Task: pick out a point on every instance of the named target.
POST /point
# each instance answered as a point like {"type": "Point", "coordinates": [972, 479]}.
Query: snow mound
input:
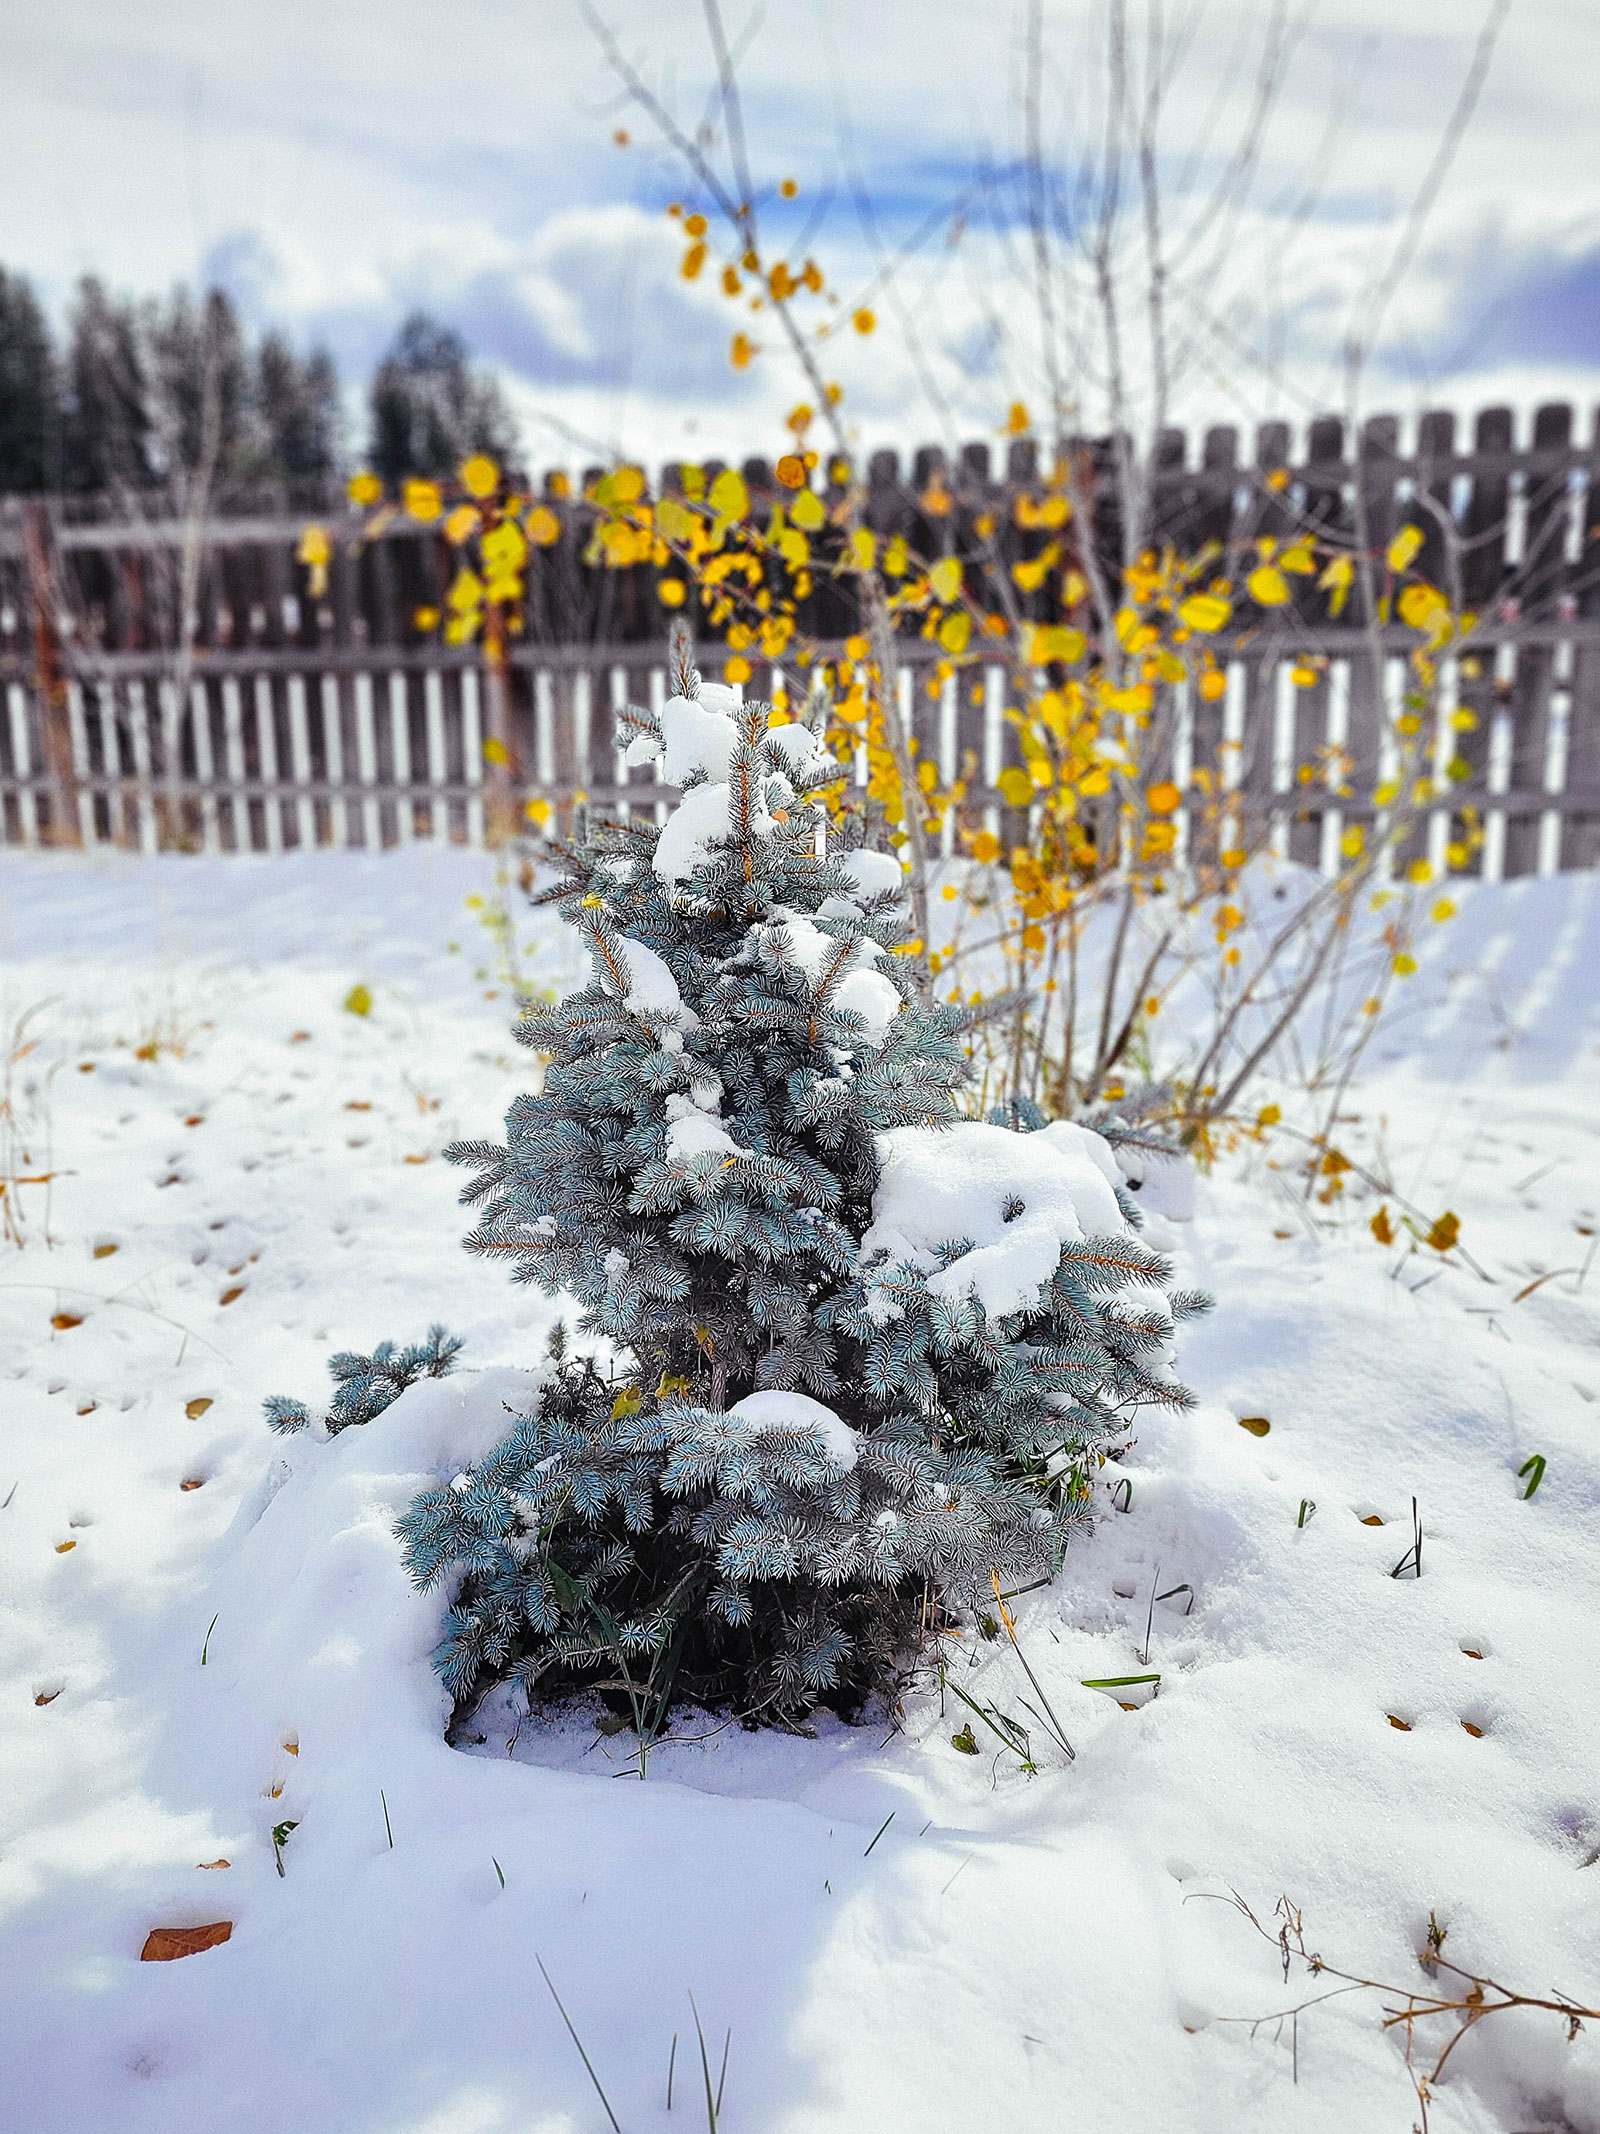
{"type": "Point", "coordinates": [1013, 1199]}
{"type": "Point", "coordinates": [651, 990]}
{"type": "Point", "coordinates": [701, 819]}
{"type": "Point", "coordinates": [861, 990]}
{"type": "Point", "coordinates": [700, 735]}
{"type": "Point", "coordinates": [320, 1628]}
{"type": "Point", "coordinates": [798, 1411]}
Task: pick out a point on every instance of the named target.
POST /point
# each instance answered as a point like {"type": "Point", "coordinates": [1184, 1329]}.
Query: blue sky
{"type": "Point", "coordinates": [338, 163]}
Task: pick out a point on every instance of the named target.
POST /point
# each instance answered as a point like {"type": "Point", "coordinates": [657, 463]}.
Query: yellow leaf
{"type": "Point", "coordinates": [857, 647]}
{"type": "Point", "coordinates": [505, 546]}
{"type": "Point", "coordinates": [1445, 1232]}
{"type": "Point", "coordinates": [955, 632]}
{"type": "Point", "coordinates": [1443, 910]}
{"type": "Point", "coordinates": [1017, 786]}
{"type": "Point", "coordinates": [945, 578]}
{"type": "Point", "coordinates": [422, 499]}
{"type": "Point", "coordinates": [364, 488]}
{"type": "Point", "coordinates": [537, 812]}
{"type": "Point", "coordinates": [480, 476]}
{"type": "Point", "coordinates": [1353, 842]}
{"type": "Point", "coordinates": [1017, 420]}
{"type": "Point", "coordinates": [794, 548]}
{"type": "Point", "coordinates": [426, 619]}
{"type": "Point", "coordinates": [808, 511]}
{"type": "Point", "coordinates": [1053, 641]}
{"type": "Point", "coordinates": [1164, 798]}
{"type": "Point", "coordinates": [358, 1001]}
{"type": "Point", "coordinates": [985, 848]}
{"type": "Point", "coordinates": [315, 547]}
{"type": "Point", "coordinates": [740, 350]}
{"type": "Point", "coordinates": [693, 260]}
{"type": "Point", "coordinates": [1404, 546]}
{"type": "Point", "coordinates": [628, 485]}
{"type": "Point", "coordinates": [1421, 605]}
{"type": "Point", "coordinates": [1303, 676]}
{"type": "Point", "coordinates": [495, 751]}
{"type": "Point", "coordinates": [863, 548]}
{"type": "Point", "coordinates": [1381, 1227]}
{"type": "Point", "coordinates": [1205, 612]}
{"type": "Point", "coordinates": [1404, 965]}
{"type": "Point", "coordinates": [729, 498]}
{"type": "Point", "coordinates": [1298, 559]}
{"type": "Point", "coordinates": [791, 471]}
{"type": "Point", "coordinates": [1268, 586]}
{"type": "Point", "coordinates": [864, 320]}
{"type": "Point", "coordinates": [1268, 1115]}
{"type": "Point", "coordinates": [461, 525]}
{"type": "Point", "coordinates": [1137, 697]}
{"type": "Point", "coordinates": [1419, 871]}
{"type": "Point", "coordinates": [674, 520]}
{"type": "Point", "coordinates": [1213, 683]}
{"type": "Point", "coordinates": [736, 670]}
{"type": "Point", "coordinates": [671, 592]}
{"type": "Point", "coordinates": [543, 527]}
{"type": "Point", "coordinates": [466, 591]}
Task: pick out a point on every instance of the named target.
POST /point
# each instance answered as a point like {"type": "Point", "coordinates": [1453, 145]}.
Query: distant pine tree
{"type": "Point", "coordinates": [106, 437]}
{"type": "Point", "coordinates": [299, 419]}
{"type": "Point", "coordinates": [429, 410]}
{"type": "Point", "coordinates": [201, 388]}
{"type": "Point", "coordinates": [30, 393]}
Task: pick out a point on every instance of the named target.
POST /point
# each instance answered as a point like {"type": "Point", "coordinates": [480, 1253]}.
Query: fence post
{"type": "Point", "coordinates": [54, 715]}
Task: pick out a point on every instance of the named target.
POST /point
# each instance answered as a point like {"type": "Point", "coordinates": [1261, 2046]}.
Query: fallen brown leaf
{"type": "Point", "coordinates": [65, 1319]}
{"type": "Point", "coordinates": [104, 1252]}
{"type": "Point", "coordinates": [193, 1482]}
{"type": "Point", "coordinates": [228, 1295]}
{"type": "Point", "coordinates": [164, 1944]}
{"type": "Point", "coordinates": [197, 1407]}
{"type": "Point", "coordinates": [1404, 1725]}
{"type": "Point", "coordinates": [47, 1696]}
{"type": "Point", "coordinates": [213, 1863]}
{"type": "Point", "coordinates": [1257, 1425]}
{"type": "Point", "coordinates": [1475, 1731]}
{"type": "Point", "coordinates": [63, 1546]}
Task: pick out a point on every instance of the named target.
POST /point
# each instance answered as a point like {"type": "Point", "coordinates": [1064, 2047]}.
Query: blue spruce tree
{"type": "Point", "coordinates": [867, 1353]}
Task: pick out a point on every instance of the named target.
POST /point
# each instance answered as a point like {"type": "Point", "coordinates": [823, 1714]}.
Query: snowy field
{"type": "Point", "coordinates": [208, 1635]}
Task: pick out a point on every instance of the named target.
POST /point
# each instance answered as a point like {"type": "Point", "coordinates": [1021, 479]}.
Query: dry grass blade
{"type": "Point", "coordinates": [582, 2054]}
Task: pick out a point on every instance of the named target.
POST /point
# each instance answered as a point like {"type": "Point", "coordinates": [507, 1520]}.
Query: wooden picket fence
{"type": "Point", "coordinates": [288, 724]}
{"type": "Point", "coordinates": [273, 751]}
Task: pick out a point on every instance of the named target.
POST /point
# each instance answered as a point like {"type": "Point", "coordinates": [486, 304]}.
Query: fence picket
{"type": "Point", "coordinates": [300, 761]}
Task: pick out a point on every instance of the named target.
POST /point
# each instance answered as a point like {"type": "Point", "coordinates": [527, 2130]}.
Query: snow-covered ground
{"type": "Point", "coordinates": [208, 1635]}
